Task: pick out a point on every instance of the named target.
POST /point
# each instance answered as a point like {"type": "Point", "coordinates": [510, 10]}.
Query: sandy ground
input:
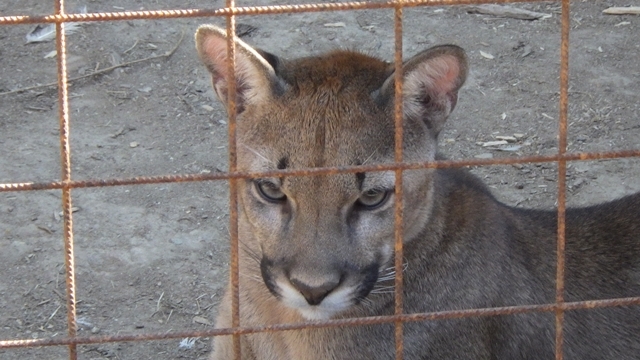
{"type": "Point", "coordinates": [153, 258]}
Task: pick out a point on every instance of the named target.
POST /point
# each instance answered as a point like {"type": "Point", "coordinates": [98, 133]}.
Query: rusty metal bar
{"type": "Point", "coordinates": [562, 177]}
{"type": "Point", "coordinates": [66, 184]}
{"type": "Point", "coordinates": [233, 183]}
{"type": "Point", "coordinates": [399, 203]}
{"type": "Point", "coordinates": [374, 320]}
{"type": "Point", "coordinates": [65, 163]}
{"type": "Point", "coordinates": [246, 10]}
{"type": "Point", "coordinates": [439, 164]}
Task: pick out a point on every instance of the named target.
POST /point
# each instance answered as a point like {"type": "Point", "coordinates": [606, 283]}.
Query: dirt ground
{"type": "Point", "coordinates": [153, 258]}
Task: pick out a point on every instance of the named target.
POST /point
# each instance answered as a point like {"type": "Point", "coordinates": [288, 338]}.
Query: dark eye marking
{"type": "Point", "coordinates": [360, 180]}
{"type": "Point", "coordinates": [283, 163]}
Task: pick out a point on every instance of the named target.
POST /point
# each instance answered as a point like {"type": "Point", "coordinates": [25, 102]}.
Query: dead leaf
{"type": "Point", "coordinates": [494, 143]}
{"type": "Point", "coordinates": [45, 230]}
{"type": "Point", "coordinates": [486, 55]}
{"type": "Point", "coordinates": [511, 148]}
{"type": "Point", "coordinates": [507, 12]}
{"type": "Point", "coordinates": [506, 138]}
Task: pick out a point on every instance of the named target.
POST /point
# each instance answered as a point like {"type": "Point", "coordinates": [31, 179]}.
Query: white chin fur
{"type": "Point", "coordinates": [336, 302]}
{"type": "Point", "coordinates": [315, 314]}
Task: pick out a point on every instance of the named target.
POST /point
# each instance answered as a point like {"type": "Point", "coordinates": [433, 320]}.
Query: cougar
{"type": "Point", "coordinates": [322, 247]}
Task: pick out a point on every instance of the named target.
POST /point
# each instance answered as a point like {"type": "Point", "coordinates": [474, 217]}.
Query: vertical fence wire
{"type": "Point", "coordinates": [399, 318]}
{"type": "Point", "coordinates": [562, 172]}
{"type": "Point", "coordinates": [234, 271]}
{"type": "Point", "coordinates": [65, 163]}
{"type": "Point", "coordinates": [562, 179]}
{"type": "Point", "coordinates": [399, 201]}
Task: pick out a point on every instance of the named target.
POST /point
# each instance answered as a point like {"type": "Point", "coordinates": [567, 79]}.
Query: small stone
{"type": "Point", "coordinates": [133, 144]}
{"type": "Point", "coordinates": [334, 25]}
{"type": "Point", "coordinates": [201, 320]}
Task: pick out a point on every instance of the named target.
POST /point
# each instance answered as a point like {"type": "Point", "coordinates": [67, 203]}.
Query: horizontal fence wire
{"type": "Point", "coordinates": [439, 164]}
{"type": "Point", "coordinates": [373, 320]}
{"type": "Point", "coordinates": [399, 318]}
{"type": "Point", "coordinates": [245, 10]}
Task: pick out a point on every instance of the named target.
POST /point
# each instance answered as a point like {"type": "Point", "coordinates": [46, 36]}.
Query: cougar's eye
{"type": "Point", "coordinates": [373, 199]}
{"type": "Point", "coordinates": [269, 191]}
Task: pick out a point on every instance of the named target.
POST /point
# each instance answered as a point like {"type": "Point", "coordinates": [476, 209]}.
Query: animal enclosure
{"type": "Point", "coordinates": [117, 230]}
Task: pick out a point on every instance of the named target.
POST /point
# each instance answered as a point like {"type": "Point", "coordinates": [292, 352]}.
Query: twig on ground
{"type": "Point", "coordinates": [101, 71]}
{"type": "Point", "coordinates": [52, 315]}
{"type": "Point", "coordinates": [628, 10]}
{"type": "Point", "coordinates": [507, 12]}
{"type": "Point", "coordinates": [134, 45]}
{"type": "Point", "coordinates": [158, 303]}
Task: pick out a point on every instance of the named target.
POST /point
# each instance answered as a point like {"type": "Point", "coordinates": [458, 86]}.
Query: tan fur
{"type": "Point", "coordinates": [320, 247]}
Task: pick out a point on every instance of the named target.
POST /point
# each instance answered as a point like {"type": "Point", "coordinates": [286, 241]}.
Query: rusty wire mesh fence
{"type": "Point", "coordinates": [67, 183]}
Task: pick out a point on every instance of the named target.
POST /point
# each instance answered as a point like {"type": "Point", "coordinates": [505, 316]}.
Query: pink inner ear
{"type": "Point", "coordinates": [444, 72]}
{"type": "Point", "coordinates": [215, 49]}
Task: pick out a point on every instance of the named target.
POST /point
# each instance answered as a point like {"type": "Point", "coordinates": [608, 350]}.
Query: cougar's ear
{"type": "Point", "coordinates": [255, 74]}
{"type": "Point", "coordinates": [432, 79]}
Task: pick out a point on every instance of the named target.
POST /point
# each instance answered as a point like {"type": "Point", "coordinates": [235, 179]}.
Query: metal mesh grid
{"type": "Point", "coordinates": [60, 17]}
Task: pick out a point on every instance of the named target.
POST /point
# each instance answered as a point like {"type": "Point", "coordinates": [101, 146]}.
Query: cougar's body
{"type": "Point", "coordinates": [321, 247]}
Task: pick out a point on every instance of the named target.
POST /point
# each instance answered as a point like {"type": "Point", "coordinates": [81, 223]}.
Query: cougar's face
{"type": "Point", "coordinates": [322, 242]}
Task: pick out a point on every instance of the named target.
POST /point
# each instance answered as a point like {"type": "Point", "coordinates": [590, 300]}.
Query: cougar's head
{"type": "Point", "coordinates": [321, 243]}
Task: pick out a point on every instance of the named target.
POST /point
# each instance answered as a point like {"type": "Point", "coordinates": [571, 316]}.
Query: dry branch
{"type": "Point", "coordinates": [101, 71]}
{"type": "Point", "coordinates": [628, 10]}
{"type": "Point", "coordinates": [507, 12]}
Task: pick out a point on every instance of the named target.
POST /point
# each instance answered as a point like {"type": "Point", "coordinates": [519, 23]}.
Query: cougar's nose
{"type": "Point", "coordinates": [314, 294]}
